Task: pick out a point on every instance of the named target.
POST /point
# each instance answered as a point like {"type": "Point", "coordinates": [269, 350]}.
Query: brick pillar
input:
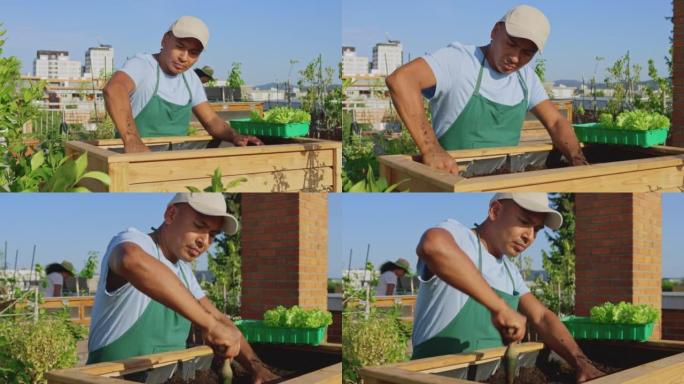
{"type": "Point", "coordinates": [618, 246]}
{"type": "Point", "coordinates": [284, 251]}
{"type": "Point", "coordinates": [677, 129]}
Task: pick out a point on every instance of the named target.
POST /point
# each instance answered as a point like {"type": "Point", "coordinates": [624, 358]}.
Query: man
{"type": "Point", "coordinates": [205, 74]}
{"type": "Point", "coordinates": [479, 96]}
{"type": "Point", "coordinates": [56, 276]}
{"type": "Point", "coordinates": [153, 96]}
{"type": "Point", "coordinates": [471, 297]}
{"type": "Point", "coordinates": [148, 295]}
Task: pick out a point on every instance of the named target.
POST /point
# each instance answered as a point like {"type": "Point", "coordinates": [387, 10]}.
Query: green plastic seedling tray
{"type": "Point", "coordinates": [585, 328]}
{"type": "Point", "coordinates": [255, 331]}
{"type": "Point", "coordinates": [593, 133]}
{"type": "Point", "coordinates": [259, 128]}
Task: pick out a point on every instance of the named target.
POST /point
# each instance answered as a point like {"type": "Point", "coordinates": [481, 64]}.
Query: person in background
{"type": "Point", "coordinates": [56, 274]}
{"type": "Point", "coordinates": [390, 272]}
{"type": "Point", "coordinates": [205, 74]}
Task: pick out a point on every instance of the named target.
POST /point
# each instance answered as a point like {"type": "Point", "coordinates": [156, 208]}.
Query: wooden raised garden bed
{"type": "Point", "coordinates": [538, 168]}
{"type": "Point", "coordinates": [631, 362]}
{"type": "Point", "coordinates": [281, 165]}
{"type": "Point", "coordinates": [296, 364]}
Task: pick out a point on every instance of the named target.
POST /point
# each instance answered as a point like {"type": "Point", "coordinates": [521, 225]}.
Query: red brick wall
{"type": "Point", "coordinates": [677, 129]}
{"type": "Point", "coordinates": [673, 324]}
{"type": "Point", "coordinates": [618, 247]}
{"type": "Point", "coordinates": [284, 251]}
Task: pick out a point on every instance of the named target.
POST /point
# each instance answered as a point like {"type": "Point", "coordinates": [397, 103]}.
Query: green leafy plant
{"type": "Point", "coordinates": [297, 317]}
{"type": "Point", "coordinates": [636, 120]}
{"type": "Point", "coordinates": [624, 313]}
{"type": "Point", "coordinates": [235, 76]}
{"type": "Point", "coordinates": [282, 115]}
{"type": "Point", "coordinates": [217, 183]}
{"type": "Point", "coordinates": [369, 184]}
{"type": "Point", "coordinates": [90, 267]}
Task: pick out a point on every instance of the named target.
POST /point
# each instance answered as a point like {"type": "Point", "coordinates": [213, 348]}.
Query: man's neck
{"type": "Point", "coordinates": [161, 66]}
{"type": "Point", "coordinates": [486, 233]}
{"type": "Point", "coordinates": [158, 237]}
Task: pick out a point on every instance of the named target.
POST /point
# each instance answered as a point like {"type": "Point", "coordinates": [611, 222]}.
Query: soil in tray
{"type": "Point", "coordinates": [552, 372]}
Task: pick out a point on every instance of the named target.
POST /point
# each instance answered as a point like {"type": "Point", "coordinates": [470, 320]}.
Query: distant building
{"type": "Point", "coordinates": [387, 57]}
{"type": "Point", "coordinates": [56, 65]}
{"type": "Point", "coordinates": [357, 277]}
{"type": "Point", "coordinates": [353, 65]}
{"type": "Point", "coordinates": [99, 61]}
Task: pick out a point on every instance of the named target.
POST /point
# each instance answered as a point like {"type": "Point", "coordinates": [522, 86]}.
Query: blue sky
{"type": "Point", "coordinates": [580, 29]}
{"type": "Point", "coordinates": [67, 226]}
{"type": "Point", "coordinates": [262, 34]}
{"type": "Point", "coordinates": [393, 224]}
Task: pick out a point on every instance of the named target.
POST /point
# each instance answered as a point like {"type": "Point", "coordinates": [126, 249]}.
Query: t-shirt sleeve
{"type": "Point", "coordinates": [461, 236]}
{"type": "Point", "coordinates": [441, 64]}
{"type": "Point", "coordinates": [389, 278]}
{"type": "Point", "coordinates": [137, 68]}
{"type": "Point", "coordinates": [56, 279]}
{"type": "Point", "coordinates": [537, 93]}
{"type": "Point", "coordinates": [199, 96]}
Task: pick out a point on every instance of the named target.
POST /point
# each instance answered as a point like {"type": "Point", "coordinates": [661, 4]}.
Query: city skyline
{"type": "Point", "coordinates": [570, 51]}
{"type": "Point", "coordinates": [264, 41]}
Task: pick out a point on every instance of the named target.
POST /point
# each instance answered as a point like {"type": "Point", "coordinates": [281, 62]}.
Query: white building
{"type": "Point", "coordinates": [56, 65]}
{"type": "Point", "coordinates": [353, 65]}
{"type": "Point", "coordinates": [387, 57]}
{"type": "Point", "coordinates": [99, 61]}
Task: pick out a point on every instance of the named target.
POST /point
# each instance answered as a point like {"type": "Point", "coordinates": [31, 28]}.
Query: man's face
{"type": "Point", "coordinates": [178, 55]}
{"type": "Point", "coordinates": [507, 53]}
{"type": "Point", "coordinates": [516, 227]}
{"type": "Point", "coordinates": [189, 233]}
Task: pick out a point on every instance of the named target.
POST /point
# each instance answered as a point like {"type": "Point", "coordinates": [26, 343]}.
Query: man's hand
{"type": "Point", "coordinates": [510, 324]}
{"type": "Point", "coordinates": [261, 374]}
{"type": "Point", "coordinates": [135, 146]}
{"type": "Point", "coordinates": [587, 371]}
{"type": "Point", "coordinates": [243, 140]}
{"type": "Point", "coordinates": [441, 160]}
{"type": "Point", "coordinates": [223, 339]}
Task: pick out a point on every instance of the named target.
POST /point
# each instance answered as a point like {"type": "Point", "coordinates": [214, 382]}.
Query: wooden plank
{"type": "Point", "coordinates": [136, 364]}
{"type": "Point", "coordinates": [663, 371]}
{"type": "Point", "coordinates": [337, 167]}
{"type": "Point", "coordinates": [66, 376]}
{"type": "Point", "coordinates": [327, 375]}
{"type": "Point", "coordinates": [404, 167]}
{"type": "Point", "coordinates": [389, 376]}
{"type": "Point", "coordinates": [305, 180]}
{"type": "Point", "coordinates": [162, 171]}
{"type": "Point", "coordinates": [484, 152]}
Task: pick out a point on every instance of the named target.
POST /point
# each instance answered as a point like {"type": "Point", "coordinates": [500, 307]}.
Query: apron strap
{"type": "Point", "coordinates": [187, 86]}
{"type": "Point", "coordinates": [156, 85]}
{"type": "Point", "coordinates": [479, 76]}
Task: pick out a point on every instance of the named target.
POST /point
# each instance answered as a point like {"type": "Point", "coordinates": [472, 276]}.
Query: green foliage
{"type": "Point", "coordinates": [224, 264]}
{"type": "Point", "coordinates": [636, 120]}
{"type": "Point", "coordinates": [90, 267]}
{"type": "Point", "coordinates": [282, 115]}
{"type": "Point", "coordinates": [29, 349]}
{"type": "Point", "coordinates": [667, 285]}
{"type": "Point", "coordinates": [217, 183]}
{"type": "Point", "coordinates": [624, 313]}
{"type": "Point", "coordinates": [235, 76]}
{"type": "Point", "coordinates": [558, 291]}
{"type": "Point", "coordinates": [376, 339]}
{"type": "Point", "coordinates": [540, 69]}
{"type": "Point", "coordinates": [623, 78]}
{"type": "Point", "coordinates": [657, 99]}
{"type": "Point", "coordinates": [322, 99]}
{"type": "Point", "coordinates": [369, 184]}
{"type": "Point", "coordinates": [297, 317]}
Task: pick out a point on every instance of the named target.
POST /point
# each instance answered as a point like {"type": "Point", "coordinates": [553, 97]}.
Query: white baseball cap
{"type": "Point", "coordinates": [190, 26]}
{"type": "Point", "coordinates": [535, 202]}
{"type": "Point", "coordinates": [210, 204]}
{"type": "Point", "coordinates": [528, 23]}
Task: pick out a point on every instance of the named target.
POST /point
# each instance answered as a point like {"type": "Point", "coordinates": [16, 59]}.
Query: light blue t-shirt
{"type": "Point", "coordinates": [456, 68]}
{"type": "Point", "coordinates": [438, 302]}
{"type": "Point", "coordinates": [142, 69]}
{"type": "Point", "coordinates": [115, 312]}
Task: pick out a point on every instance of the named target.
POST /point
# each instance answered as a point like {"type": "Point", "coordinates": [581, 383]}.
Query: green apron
{"type": "Point", "coordinates": [484, 123]}
{"type": "Point", "coordinates": [471, 329]}
{"type": "Point", "coordinates": [158, 329]}
{"type": "Point", "coordinates": [163, 118]}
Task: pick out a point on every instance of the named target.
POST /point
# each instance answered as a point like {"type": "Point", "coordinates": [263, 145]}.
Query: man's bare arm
{"type": "Point", "coordinates": [561, 132]}
{"type": "Point", "coordinates": [116, 93]}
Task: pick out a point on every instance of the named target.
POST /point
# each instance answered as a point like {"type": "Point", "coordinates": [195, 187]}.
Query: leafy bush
{"type": "Point", "coordinates": [297, 317]}
{"type": "Point", "coordinates": [637, 120]}
{"type": "Point", "coordinates": [28, 350]}
{"type": "Point", "coordinates": [624, 313]}
{"type": "Point", "coordinates": [90, 267]}
{"type": "Point", "coordinates": [381, 338]}
{"type": "Point", "coordinates": [282, 115]}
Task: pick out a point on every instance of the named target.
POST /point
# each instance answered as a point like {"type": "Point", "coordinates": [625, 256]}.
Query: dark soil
{"type": "Point", "coordinates": [240, 376]}
{"type": "Point", "coordinates": [552, 372]}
